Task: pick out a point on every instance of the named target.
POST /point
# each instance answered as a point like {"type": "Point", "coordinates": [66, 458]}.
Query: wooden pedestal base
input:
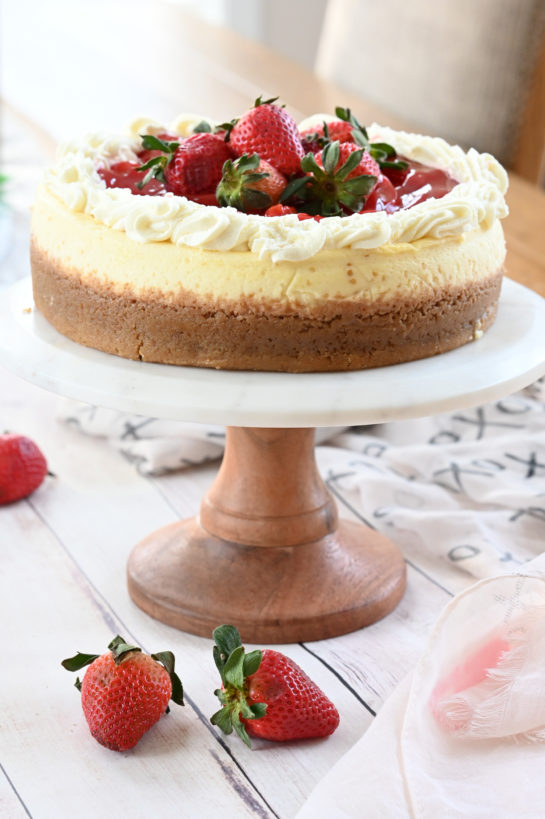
{"type": "Point", "coordinates": [268, 553]}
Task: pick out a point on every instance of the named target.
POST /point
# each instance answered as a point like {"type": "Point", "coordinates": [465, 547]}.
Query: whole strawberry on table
{"type": "Point", "coordinates": [266, 694]}
{"type": "Point", "coordinates": [23, 467]}
{"type": "Point", "coordinates": [125, 692]}
{"type": "Point", "coordinates": [261, 163]}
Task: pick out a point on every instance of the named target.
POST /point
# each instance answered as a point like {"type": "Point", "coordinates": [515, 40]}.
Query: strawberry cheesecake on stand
{"type": "Point", "coordinates": [260, 244]}
{"type": "Point", "coordinates": [263, 245]}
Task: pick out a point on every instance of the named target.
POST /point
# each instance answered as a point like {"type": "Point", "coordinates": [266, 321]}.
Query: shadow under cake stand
{"type": "Point", "coordinates": [267, 551]}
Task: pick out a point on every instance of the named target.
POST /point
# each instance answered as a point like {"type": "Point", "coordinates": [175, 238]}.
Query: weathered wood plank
{"type": "Point", "coordinates": [55, 611]}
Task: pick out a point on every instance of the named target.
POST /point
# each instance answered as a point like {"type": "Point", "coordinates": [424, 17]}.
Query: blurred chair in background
{"type": "Point", "coordinates": [471, 71]}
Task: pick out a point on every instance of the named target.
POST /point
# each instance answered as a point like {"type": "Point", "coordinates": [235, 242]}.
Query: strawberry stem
{"type": "Point", "coordinates": [235, 667]}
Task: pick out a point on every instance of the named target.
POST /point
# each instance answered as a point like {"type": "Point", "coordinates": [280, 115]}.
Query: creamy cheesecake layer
{"type": "Point", "coordinates": [83, 247]}
{"type": "Point", "coordinates": [184, 329]}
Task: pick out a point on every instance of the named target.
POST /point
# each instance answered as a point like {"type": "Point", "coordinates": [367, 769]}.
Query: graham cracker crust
{"type": "Point", "coordinates": [346, 335]}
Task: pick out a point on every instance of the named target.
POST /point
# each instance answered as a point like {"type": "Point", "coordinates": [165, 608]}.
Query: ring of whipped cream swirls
{"type": "Point", "coordinates": [477, 201]}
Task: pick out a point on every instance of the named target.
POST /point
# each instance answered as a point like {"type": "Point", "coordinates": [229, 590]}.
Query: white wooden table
{"type": "Point", "coordinates": [63, 589]}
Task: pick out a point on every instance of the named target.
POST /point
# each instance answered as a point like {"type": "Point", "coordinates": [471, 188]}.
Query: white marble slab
{"type": "Point", "coordinates": [507, 358]}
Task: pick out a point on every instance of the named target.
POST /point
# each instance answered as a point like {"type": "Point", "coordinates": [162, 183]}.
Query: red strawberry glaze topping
{"type": "Point", "coordinates": [421, 182]}
{"type": "Point", "coordinates": [127, 175]}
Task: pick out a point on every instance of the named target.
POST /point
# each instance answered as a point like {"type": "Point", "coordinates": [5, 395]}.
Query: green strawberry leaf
{"type": "Point", "coordinates": [233, 670]}
{"type": "Point", "coordinates": [77, 684]}
{"type": "Point", "coordinates": [259, 709]}
{"type": "Point", "coordinates": [398, 164]}
{"type": "Point", "coordinates": [360, 185]}
{"type": "Point", "coordinates": [222, 719]}
{"type": "Point", "coordinates": [153, 143]}
{"type": "Point", "coordinates": [151, 163]}
{"type": "Point", "coordinates": [252, 661]}
{"type": "Point", "coordinates": [294, 188]}
{"type": "Point", "coordinates": [79, 661]}
{"type": "Point", "coordinates": [217, 655]}
{"type": "Point", "coordinates": [119, 648]}
{"type": "Point", "coordinates": [246, 162]}
{"type": "Point", "coordinates": [167, 660]}
{"type": "Point", "coordinates": [330, 157]}
{"type": "Point", "coordinates": [240, 729]}
{"type": "Point", "coordinates": [384, 147]}
{"type": "Point", "coordinates": [352, 161]}
{"type": "Point", "coordinates": [309, 165]}
{"type": "Point", "coordinates": [245, 709]}
{"type": "Point", "coordinates": [227, 639]}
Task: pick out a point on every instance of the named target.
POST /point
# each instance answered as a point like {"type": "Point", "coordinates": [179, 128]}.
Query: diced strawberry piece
{"type": "Point", "coordinates": [279, 210]}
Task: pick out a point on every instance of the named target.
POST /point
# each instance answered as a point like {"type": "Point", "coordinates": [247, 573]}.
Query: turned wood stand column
{"type": "Point", "coordinates": [267, 553]}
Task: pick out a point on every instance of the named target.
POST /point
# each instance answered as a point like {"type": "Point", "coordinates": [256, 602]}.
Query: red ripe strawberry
{"type": "Point", "coordinates": [249, 184]}
{"type": "Point", "coordinates": [189, 167]}
{"type": "Point", "coordinates": [265, 694]}
{"type": "Point", "coordinates": [268, 130]}
{"type": "Point", "coordinates": [125, 692]}
{"type": "Point", "coordinates": [197, 165]}
{"type": "Point", "coordinates": [22, 467]}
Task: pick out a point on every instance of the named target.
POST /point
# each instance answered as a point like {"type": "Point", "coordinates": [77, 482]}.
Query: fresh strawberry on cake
{"type": "Point", "coordinates": [263, 244]}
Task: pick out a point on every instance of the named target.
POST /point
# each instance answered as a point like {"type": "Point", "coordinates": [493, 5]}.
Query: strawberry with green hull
{"type": "Point", "coordinates": [265, 694]}
{"type": "Point", "coordinates": [23, 467]}
{"type": "Point", "coordinates": [191, 167]}
{"type": "Point", "coordinates": [125, 691]}
{"type": "Point", "coordinates": [249, 184]}
{"type": "Point", "coordinates": [337, 181]}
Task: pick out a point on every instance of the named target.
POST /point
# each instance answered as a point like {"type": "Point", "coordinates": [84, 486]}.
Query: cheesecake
{"type": "Point", "coordinates": [135, 254]}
